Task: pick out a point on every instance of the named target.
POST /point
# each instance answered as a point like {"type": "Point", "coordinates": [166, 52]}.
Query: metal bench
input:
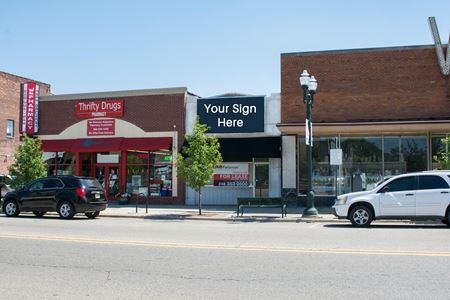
{"type": "Point", "coordinates": [260, 203]}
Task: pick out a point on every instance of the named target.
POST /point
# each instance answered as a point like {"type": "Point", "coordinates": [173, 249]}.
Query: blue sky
{"type": "Point", "coordinates": [211, 47]}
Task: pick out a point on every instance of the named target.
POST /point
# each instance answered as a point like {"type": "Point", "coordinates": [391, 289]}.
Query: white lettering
{"type": "Point", "coordinates": [222, 122]}
{"type": "Point", "coordinates": [245, 110]}
{"type": "Point", "coordinates": [214, 109]}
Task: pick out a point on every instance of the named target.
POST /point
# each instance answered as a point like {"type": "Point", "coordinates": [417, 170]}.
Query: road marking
{"type": "Point", "coordinates": [225, 247]}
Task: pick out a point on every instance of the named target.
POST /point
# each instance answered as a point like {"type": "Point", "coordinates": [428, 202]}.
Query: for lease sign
{"type": "Point", "coordinates": [99, 108]}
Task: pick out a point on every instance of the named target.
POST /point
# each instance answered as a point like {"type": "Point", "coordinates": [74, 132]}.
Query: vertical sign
{"type": "Point", "coordinates": [308, 132]}
{"type": "Point", "coordinates": [29, 123]}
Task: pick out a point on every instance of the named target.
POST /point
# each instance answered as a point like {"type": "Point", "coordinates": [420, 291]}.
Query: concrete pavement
{"type": "Point", "coordinates": [219, 213]}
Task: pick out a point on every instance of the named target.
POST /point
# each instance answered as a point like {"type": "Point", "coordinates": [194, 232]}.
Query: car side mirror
{"type": "Point", "coordinates": [385, 189]}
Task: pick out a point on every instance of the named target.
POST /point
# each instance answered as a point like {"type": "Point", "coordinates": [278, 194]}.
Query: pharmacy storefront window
{"type": "Point", "coordinates": [149, 172]}
{"type": "Point", "coordinates": [60, 163]}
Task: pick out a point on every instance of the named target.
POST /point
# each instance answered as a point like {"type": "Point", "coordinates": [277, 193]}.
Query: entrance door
{"type": "Point", "coordinates": [108, 176]}
{"type": "Point", "coordinates": [261, 180]}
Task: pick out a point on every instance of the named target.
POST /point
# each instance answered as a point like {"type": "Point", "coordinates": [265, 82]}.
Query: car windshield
{"type": "Point", "coordinates": [91, 183]}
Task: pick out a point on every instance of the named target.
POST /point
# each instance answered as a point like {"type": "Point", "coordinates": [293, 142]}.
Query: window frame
{"type": "Point", "coordinates": [8, 123]}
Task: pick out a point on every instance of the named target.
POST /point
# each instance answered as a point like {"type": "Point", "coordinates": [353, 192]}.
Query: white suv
{"type": "Point", "coordinates": [421, 195]}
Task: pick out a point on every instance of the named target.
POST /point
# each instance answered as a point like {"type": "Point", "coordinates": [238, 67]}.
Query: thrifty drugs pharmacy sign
{"type": "Point", "coordinates": [232, 114]}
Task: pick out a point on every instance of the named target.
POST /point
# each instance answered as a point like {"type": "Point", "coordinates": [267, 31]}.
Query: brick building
{"type": "Point", "coordinates": [128, 140]}
{"type": "Point", "coordinates": [9, 115]}
{"type": "Point", "coordinates": [386, 108]}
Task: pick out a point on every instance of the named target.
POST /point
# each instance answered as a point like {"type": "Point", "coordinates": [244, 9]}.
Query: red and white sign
{"type": "Point", "coordinates": [100, 108]}
{"type": "Point", "coordinates": [29, 108]}
{"type": "Point", "coordinates": [101, 127]}
{"type": "Point", "coordinates": [231, 174]}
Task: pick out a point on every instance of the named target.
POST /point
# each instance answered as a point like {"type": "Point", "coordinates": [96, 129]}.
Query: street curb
{"type": "Point", "coordinates": [232, 219]}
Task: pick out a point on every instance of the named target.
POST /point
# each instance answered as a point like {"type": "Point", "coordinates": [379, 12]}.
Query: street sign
{"type": "Point", "coordinates": [335, 157]}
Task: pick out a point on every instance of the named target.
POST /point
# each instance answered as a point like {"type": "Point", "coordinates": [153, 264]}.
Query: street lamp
{"type": "Point", "coordinates": [309, 86]}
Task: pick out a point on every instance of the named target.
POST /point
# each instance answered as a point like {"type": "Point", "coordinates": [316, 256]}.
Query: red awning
{"type": "Point", "coordinates": [106, 144]}
{"type": "Point", "coordinates": [155, 143]}
{"type": "Point", "coordinates": [57, 145]}
{"type": "Point", "coordinates": [97, 145]}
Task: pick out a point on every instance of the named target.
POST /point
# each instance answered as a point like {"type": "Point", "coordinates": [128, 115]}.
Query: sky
{"type": "Point", "coordinates": [210, 47]}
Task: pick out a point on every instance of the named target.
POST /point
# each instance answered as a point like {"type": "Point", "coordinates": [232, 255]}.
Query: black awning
{"type": "Point", "coordinates": [244, 149]}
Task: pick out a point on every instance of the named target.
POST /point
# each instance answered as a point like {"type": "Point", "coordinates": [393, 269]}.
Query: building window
{"type": "Point", "coordinates": [365, 161]}
{"type": "Point", "coordinates": [10, 128]}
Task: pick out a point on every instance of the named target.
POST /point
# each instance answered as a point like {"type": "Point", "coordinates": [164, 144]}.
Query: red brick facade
{"type": "Point", "coordinates": [10, 106]}
{"type": "Point", "coordinates": [151, 112]}
{"type": "Point", "coordinates": [385, 84]}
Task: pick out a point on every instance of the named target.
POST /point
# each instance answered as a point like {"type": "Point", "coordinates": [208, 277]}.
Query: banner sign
{"type": "Point", "coordinates": [101, 127]}
{"type": "Point", "coordinates": [29, 108]}
{"type": "Point", "coordinates": [231, 174]}
{"type": "Point", "coordinates": [100, 108]}
{"type": "Point", "coordinates": [232, 114]}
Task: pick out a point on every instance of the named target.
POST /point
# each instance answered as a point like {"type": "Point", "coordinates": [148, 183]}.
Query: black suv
{"type": "Point", "coordinates": [67, 195]}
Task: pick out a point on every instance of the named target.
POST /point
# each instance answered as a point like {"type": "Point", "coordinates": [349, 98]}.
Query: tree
{"type": "Point", "coordinates": [199, 159]}
{"type": "Point", "coordinates": [28, 164]}
{"type": "Point", "coordinates": [443, 155]}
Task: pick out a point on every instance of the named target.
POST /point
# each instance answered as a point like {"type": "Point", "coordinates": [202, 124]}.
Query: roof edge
{"type": "Point", "coordinates": [26, 78]}
{"type": "Point", "coordinates": [359, 50]}
{"type": "Point", "coordinates": [116, 94]}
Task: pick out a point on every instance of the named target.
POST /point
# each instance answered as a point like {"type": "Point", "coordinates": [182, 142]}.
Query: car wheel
{"type": "Point", "coordinates": [92, 215]}
{"type": "Point", "coordinates": [39, 213]}
{"type": "Point", "coordinates": [66, 210]}
{"type": "Point", "coordinates": [446, 221]}
{"type": "Point", "coordinates": [10, 208]}
{"type": "Point", "coordinates": [361, 216]}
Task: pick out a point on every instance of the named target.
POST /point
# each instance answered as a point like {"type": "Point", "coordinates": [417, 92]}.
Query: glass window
{"type": "Point", "coordinates": [401, 184]}
{"type": "Point", "coordinates": [431, 182]}
{"type": "Point", "coordinates": [37, 185]}
{"type": "Point", "coordinates": [53, 183]}
{"type": "Point", "coordinates": [9, 128]}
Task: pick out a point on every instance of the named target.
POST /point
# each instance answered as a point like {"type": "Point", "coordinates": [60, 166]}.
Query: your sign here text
{"type": "Point", "coordinates": [232, 114]}
{"type": "Point", "coordinates": [244, 110]}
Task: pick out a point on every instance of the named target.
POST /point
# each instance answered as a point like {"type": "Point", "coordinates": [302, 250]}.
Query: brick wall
{"type": "Point", "coordinates": [10, 106]}
{"type": "Point", "coordinates": [152, 113]}
{"type": "Point", "coordinates": [401, 83]}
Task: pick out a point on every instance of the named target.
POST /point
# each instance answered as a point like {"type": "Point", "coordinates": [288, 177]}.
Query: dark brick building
{"type": "Point", "coordinates": [127, 139]}
{"type": "Point", "coordinates": [9, 115]}
{"type": "Point", "coordinates": [386, 108]}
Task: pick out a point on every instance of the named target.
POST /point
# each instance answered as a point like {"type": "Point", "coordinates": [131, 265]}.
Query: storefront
{"type": "Point", "coordinates": [385, 109]}
{"type": "Point", "coordinates": [128, 140]}
{"type": "Point", "coordinates": [249, 143]}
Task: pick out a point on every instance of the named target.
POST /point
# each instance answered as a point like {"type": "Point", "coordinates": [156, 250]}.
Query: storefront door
{"type": "Point", "coordinates": [108, 176]}
{"type": "Point", "coordinates": [261, 180]}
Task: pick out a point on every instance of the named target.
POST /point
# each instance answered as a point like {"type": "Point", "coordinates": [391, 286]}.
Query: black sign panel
{"type": "Point", "coordinates": [232, 114]}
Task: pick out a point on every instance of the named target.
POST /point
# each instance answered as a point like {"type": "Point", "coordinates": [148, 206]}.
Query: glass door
{"type": "Point", "coordinates": [261, 180]}
{"type": "Point", "coordinates": [108, 176]}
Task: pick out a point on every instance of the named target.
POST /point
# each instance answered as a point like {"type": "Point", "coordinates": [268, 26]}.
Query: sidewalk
{"type": "Point", "coordinates": [215, 213]}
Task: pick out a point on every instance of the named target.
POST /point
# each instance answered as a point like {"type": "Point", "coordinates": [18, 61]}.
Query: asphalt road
{"type": "Point", "coordinates": [116, 258]}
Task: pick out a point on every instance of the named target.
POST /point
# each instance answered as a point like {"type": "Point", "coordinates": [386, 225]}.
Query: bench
{"type": "Point", "coordinates": [260, 203]}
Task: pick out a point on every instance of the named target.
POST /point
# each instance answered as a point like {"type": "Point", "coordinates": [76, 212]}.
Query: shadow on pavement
{"type": "Point", "coordinates": [434, 226]}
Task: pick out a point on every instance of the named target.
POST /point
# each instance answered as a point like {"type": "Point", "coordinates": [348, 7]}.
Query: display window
{"type": "Point", "coordinates": [365, 162]}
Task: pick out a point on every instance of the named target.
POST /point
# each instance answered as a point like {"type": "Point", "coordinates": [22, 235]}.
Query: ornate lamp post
{"type": "Point", "coordinates": [309, 86]}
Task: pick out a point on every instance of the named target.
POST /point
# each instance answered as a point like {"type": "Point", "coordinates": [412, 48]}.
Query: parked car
{"type": "Point", "coordinates": [66, 195]}
{"type": "Point", "coordinates": [5, 181]}
{"type": "Point", "coordinates": [420, 195]}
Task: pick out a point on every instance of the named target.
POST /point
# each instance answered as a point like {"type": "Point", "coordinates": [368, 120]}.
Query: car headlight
{"type": "Point", "coordinates": [341, 200]}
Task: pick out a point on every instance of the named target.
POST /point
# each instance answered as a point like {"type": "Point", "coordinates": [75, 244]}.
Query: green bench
{"type": "Point", "coordinates": [260, 203]}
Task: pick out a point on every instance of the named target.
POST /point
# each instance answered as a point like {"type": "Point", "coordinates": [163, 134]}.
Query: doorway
{"type": "Point", "coordinates": [108, 176]}
{"type": "Point", "coordinates": [261, 180]}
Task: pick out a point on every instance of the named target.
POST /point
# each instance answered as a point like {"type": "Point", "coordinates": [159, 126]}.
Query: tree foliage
{"type": "Point", "coordinates": [443, 155]}
{"type": "Point", "coordinates": [199, 159]}
{"type": "Point", "coordinates": [29, 164]}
